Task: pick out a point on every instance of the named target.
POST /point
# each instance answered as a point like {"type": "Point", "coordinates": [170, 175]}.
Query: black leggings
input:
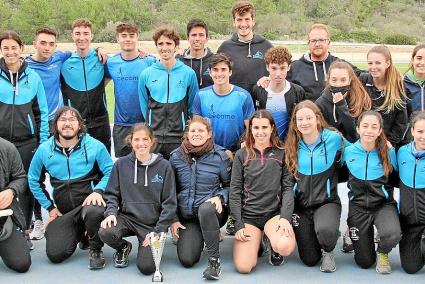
{"type": "Point", "coordinates": [15, 252]}
{"type": "Point", "coordinates": [102, 133]}
{"type": "Point", "coordinates": [411, 258]}
{"type": "Point", "coordinates": [64, 233]}
{"type": "Point", "coordinates": [360, 223]}
{"type": "Point", "coordinates": [316, 230]}
{"type": "Point", "coordinates": [126, 227]}
{"type": "Point", "coordinates": [206, 228]}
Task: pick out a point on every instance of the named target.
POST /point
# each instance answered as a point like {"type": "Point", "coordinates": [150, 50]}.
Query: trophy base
{"type": "Point", "coordinates": [157, 276]}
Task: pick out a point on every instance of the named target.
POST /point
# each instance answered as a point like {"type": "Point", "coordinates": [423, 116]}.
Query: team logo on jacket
{"type": "Point", "coordinates": [157, 179]}
{"type": "Point", "coordinates": [295, 220]}
{"type": "Point", "coordinates": [214, 115]}
{"type": "Point", "coordinates": [258, 55]}
{"type": "Point", "coordinates": [354, 234]}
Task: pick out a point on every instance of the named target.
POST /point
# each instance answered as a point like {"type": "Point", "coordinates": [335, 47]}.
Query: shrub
{"type": "Point", "coordinates": [399, 39]}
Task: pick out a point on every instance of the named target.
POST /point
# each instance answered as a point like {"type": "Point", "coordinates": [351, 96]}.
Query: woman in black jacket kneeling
{"type": "Point", "coordinates": [140, 198]}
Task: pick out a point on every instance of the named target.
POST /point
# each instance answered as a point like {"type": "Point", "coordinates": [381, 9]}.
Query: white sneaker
{"type": "Point", "coordinates": [38, 231]}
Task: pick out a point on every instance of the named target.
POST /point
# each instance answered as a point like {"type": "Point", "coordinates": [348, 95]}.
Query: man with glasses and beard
{"type": "Point", "coordinates": [79, 167]}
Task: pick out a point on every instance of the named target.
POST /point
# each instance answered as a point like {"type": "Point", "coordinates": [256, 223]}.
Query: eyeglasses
{"type": "Point", "coordinates": [318, 41]}
{"type": "Point", "coordinates": [69, 119]}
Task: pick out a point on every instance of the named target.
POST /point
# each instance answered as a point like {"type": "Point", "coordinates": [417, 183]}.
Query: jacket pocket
{"type": "Point", "coordinates": [146, 213]}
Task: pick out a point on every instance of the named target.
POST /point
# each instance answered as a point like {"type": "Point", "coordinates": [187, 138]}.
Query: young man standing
{"type": "Point", "coordinates": [79, 167]}
{"type": "Point", "coordinates": [83, 83]}
{"type": "Point", "coordinates": [124, 69]}
{"type": "Point", "coordinates": [281, 96]}
{"type": "Point", "coordinates": [245, 48]}
{"type": "Point", "coordinates": [228, 107]}
{"type": "Point", "coordinates": [166, 92]}
{"type": "Point", "coordinates": [197, 56]}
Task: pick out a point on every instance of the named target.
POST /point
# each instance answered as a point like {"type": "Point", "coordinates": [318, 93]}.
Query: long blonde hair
{"type": "Point", "coordinates": [395, 96]}
{"type": "Point", "coordinates": [294, 136]}
{"type": "Point", "coordinates": [357, 97]}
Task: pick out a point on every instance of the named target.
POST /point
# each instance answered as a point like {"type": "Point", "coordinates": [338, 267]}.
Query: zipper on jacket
{"type": "Point", "coordinates": [85, 83]}
{"type": "Point", "coordinates": [13, 113]}
{"type": "Point", "coordinates": [194, 186]}
{"type": "Point", "coordinates": [166, 106]}
{"type": "Point", "coordinates": [414, 190]}
{"type": "Point", "coordinates": [365, 180]}
{"type": "Point", "coordinates": [311, 175]}
{"type": "Point", "coordinates": [69, 177]}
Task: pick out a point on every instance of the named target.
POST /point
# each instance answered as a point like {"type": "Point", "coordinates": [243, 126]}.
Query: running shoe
{"type": "Point", "coordinates": [121, 256]}
{"type": "Point", "coordinates": [96, 259]}
{"type": "Point", "coordinates": [347, 244]}
{"type": "Point", "coordinates": [38, 230]}
{"type": "Point", "coordinates": [213, 271]}
{"type": "Point", "coordinates": [382, 263]}
{"type": "Point", "coordinates": [328, 262]}
{"type": "Point", "coordinates": [276, 259]}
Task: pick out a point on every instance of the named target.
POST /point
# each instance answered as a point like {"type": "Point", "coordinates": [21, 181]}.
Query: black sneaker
{"type": "Point", "coordinates": [96, 259]}
{"type": "Point", "coordinates": [213, 271]}
{"type": "Point", "coordinates": [84, 243]}
{"type": "Point", "coordinates": [276, 259]}
{"type": "Point", "coordinates": [264, 246]}
{"type": "Point", "coordinates": [121, 256]}
{"type": "Point", "coordinates": [230, 227]}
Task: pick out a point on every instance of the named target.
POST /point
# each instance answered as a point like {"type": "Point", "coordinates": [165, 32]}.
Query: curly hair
{"type": "Point", "coordinates": [278, 55]}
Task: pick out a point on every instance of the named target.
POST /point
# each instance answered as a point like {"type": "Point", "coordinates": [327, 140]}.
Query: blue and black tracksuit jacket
{"type": "Point", "coordinates": [23, 106]}
{"type": "Point", "coordinates": [82, 82]}
{"type": "Point", "coordinates": [412, 186]}
{"type": "Point", "coordinates": [166, 98]}
{"type": "Point", "coordinates": [74, 174]}
{"type": "Point", "coordinates": [367, 184]}
{"type": "Point", "coordinates": [317, 170]}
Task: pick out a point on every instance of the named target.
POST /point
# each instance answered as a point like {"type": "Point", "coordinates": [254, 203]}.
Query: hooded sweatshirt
{"type": "Point", "coordinates": [144, 191]}
{"type": "Point", "coordinates": [411, 166]}
{"type": "Point", "coordinates": [396, 121]}
{"type": "Point", "coordinates": [415, 91]}
{"type": "Point", "coordinates": [23, 105]}
{"type": "Point", "coordinates": [337, 115]}
{"type": "Point", "coordinates": [166, 98]}
{"type": "Point", "coordinates": [200, 65]}
{"type": "Point", "coordinates": [369, 187]}
{"type": "Point", "coordinates": [248, 59]}
{"type": "Point", "coordinates": [312, 75]}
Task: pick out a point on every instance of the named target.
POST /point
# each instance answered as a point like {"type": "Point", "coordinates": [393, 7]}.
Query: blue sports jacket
{"type": "Point", "coordinates": [166, 98]}
{"type": "Point", "coordinates": [23, 105]}
{"type": "Point", "coordinates": [205, 177]}
{"type": "Point", "coordinates": [317, 169]}
{"type": "Point", "coordinates": [367, 184]}
{"type": "Point", "coordinates": [412, 186]}
{"type": "Point", "coordinates": [82, 82]}
{"type": "Point", "coordinates": [73, 176]}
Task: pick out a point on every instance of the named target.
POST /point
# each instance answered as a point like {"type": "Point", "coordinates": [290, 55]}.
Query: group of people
{"type": "Point", "coordinates": [245, 136]}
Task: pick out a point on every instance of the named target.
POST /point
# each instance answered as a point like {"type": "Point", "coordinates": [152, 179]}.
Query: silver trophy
{"type": "Point", "coordinates": [156, 242]}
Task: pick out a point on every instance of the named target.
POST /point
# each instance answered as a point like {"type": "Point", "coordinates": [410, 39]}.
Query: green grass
{"type": "Point", "coordinates": [110, 99]}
